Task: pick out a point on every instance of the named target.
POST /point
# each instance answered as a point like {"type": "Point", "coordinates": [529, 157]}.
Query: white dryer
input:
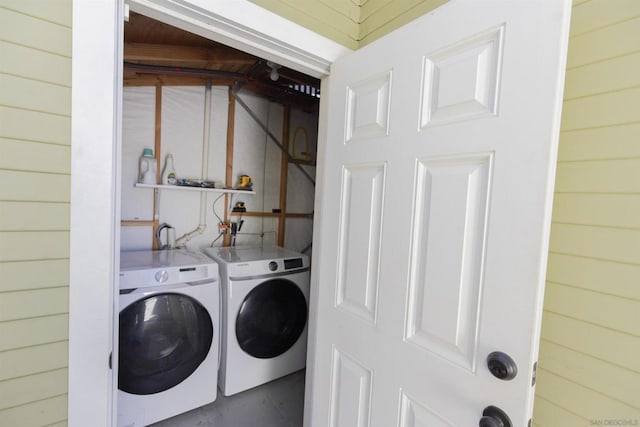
{"type": "Point", "coordinates": [169, 334]}
{"type": "Point", "coordinates": [265, 294]}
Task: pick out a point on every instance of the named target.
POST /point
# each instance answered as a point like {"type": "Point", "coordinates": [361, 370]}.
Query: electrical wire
{"type": "Point", "coordinates": [213, 208]}
{"type": "Point", "coordinates": [216, 239]}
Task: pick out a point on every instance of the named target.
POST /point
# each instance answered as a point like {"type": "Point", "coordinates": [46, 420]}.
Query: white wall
{"type": "Point", "coordinates": [254, 155]}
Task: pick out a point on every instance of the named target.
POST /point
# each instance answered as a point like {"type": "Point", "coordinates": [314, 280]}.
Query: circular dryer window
{"type": "Point", "coordinates": [163, 340]}
{"type": "Point", "coordinates": [271, 318]}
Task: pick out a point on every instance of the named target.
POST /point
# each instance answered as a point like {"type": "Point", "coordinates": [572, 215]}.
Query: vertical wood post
{"type": "Point", "coordinates": [231, 118]}
{"type": "Point", "coordinates": [157, 154]}
{"type": "Point", "coordinates": [284, 171]}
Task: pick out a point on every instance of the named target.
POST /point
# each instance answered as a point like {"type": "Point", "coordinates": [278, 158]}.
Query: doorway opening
{"type": "Point", "coordinates": [239, 129]}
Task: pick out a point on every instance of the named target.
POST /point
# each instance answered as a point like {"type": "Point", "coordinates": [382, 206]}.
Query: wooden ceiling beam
{"type": "Point", "coordinates": [185, 55]}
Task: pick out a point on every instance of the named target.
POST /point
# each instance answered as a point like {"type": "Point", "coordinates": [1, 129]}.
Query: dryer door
{"type": "Point", "coordinates": [163, 340]}
{"type": "Point", "coordinates": [271, 318]}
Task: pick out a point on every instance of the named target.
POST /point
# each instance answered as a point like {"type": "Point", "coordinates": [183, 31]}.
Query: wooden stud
{"type": "Point", "coordinates": [157, 147]}
{"type": "Point", "coordinates": [284, 171]}
{"type": "Point", "coordinates": [137, 223]}
{"type": "Point", "coordinates": [228, 179]}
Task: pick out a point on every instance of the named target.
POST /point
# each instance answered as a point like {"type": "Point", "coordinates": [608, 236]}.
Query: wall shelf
{"type": "Point", "coordinates": [188, 188]}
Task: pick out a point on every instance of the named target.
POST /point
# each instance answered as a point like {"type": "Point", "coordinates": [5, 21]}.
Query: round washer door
{"type": "Point", "coordinates": [163, 340]}
{"type": "Point", "coordinates": [271, 318]}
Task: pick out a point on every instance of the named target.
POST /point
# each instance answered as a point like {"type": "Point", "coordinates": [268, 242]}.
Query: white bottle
{"type": "Point", "coordinates": [169, 173]}
{"type": "Point", "coordinates": [148, 165]}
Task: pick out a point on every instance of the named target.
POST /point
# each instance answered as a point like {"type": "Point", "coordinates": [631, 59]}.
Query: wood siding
{"type": "Point", "coordinates": [35, 138]}
{"type": "Point", "coordinates": [352, 23]}
{"type": "Point", "coordinates": [589, 366]}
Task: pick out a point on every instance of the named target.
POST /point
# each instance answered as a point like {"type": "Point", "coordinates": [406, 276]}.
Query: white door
{"type": "Point", "coordinates": [433, 217]}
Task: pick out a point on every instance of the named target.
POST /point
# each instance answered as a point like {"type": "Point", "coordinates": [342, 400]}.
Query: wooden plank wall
{"type": "Point", "coordinates": [589, 366]}
{"type": "Point", "coordinates": [35, 138]}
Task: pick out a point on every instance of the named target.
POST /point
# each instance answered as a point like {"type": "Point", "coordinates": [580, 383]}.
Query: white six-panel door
{"type": "Point", "coordinates": [433, 210]}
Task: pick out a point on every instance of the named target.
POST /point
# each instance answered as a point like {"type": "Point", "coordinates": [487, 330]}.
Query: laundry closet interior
{"type": "Point", "coordinates": [240, 134]}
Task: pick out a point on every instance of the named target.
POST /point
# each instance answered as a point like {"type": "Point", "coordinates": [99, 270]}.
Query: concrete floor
{"type": "Point", "coordinates": [279, 403]}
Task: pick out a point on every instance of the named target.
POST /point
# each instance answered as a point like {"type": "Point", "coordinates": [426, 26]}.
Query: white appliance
{"type": "Point", "coordinates": [169, 334]}
{"type": "Point", "coordinates": [265, 294]}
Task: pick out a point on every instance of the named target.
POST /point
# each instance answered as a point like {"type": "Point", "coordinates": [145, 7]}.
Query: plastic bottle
{"type": "Point", "coordinates": [169, 173]}
{"type": "Point", "coordinates": [148, 166]}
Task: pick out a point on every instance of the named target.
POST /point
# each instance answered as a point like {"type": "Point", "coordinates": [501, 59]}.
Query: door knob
{"type": "Point", "coordinates": [502, 366]}
{"type": "Point", "coordinates": [494, 417]}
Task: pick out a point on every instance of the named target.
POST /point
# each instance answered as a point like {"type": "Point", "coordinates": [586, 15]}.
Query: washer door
{"type": "Point", "coordinates": [163, 340]}
{"type": "Point", "coordinates": [271, 318]}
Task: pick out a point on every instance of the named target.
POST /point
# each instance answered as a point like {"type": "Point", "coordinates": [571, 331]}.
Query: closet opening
{"type": "Point", "coordinates": [219, 150]}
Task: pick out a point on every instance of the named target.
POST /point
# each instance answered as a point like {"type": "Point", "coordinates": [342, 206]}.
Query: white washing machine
{"type": "Point", "coordinates": [265, 294]}
{"type": "Point", "coordinates": [169, 334]}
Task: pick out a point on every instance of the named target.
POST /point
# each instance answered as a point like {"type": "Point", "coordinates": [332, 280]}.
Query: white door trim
{"type": "Point", "coordinates": [95, 180]}
{"type": "Point", "coordinates": [248, 27]}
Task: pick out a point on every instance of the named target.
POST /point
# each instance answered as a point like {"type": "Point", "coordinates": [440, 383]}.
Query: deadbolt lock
{"type": "Point", "coordinates": [493, 416]}
{"type": "Point", "coordinates": [502, 366]}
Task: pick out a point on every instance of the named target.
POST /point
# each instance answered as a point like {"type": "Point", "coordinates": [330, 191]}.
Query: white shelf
{"type": "Point", "coordinates": [187, 188]}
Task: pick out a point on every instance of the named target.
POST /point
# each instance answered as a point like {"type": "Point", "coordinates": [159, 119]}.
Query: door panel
{"type": "Point", "coordinates": [360, 231]}
{"type": "Point", "coordinates": [435, 200]}
{"type": "Point", "coordinates": [449, 219]}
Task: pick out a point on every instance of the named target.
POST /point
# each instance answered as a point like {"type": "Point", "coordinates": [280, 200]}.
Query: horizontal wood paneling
{"type": "Point", "coordinates": [34, 303]}
{"type": "Point", "coordinates": [36, 414]}
{"type": "Point", "coordinates": [620, 245]}
{"type": "Point", "coordinates": [550, 414]}
{"type": "Point", "coordinates": [603, 210]}
{"type": "Point", "coordinates": [23, 390]}
{"type": "Point", "coordinates": [34, 216]}
{"type": "Point", "coordinates": [613, 381]}
{"type": "Point", "coordinates": [22, 246]}
{"type": "Point", "coordinates": [35, 139]}
{"type": "Point", "coordinates": [588, 367]}
{"type": "Point", "coordinates": [32, 360]}
{"type": "Point", "coordinates": [35, 64]}
{"type": "Point", "coordinates": [579, 399]}
{"type": "Point", "coordinates": [611, 176]}
{"type": "Point", "coordinates": [596, 14]}
{"type": "Point", "coordinates": [20, 124]}
{"type": "Point", "coordinates": [612, 278]}
{"type": "Point", "coordinates": [608, 109]}
{"type": "Point", "coordinates": [608, 311]}
{"type": "Point", "coordinates": [35, 95]}
{"type": "Point", "coordinates": [36, 33]}
{"type": "Point", "coordinates": [614, 347]}
{"type": "Point", "coordinates": [34, 156]}
{"type": "Point", "coordinates": [29, 332]}
{"type": "Point", "coordinates": [613, 142]}
{"type": "Point", "coordinates": [382, 17]}
{"type": "Point", "coordinates": [317, 16]}
{"type": "Point", "coordinates": [39, 274]}
{"type": "Point", "coordinates": [606, 43]}
{"type": "Point", "coordinates": [31, 186]}
{"type": "Point", "coordinates": [587, 80]}
{"type": "Point", "coordinates": [56, 11]}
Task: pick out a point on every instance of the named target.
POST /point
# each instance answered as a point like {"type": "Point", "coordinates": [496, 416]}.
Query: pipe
{"type": "Point", "coordinates": [204, 174]}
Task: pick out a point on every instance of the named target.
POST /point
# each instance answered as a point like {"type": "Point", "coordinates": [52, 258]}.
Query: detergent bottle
{"type": "Point", "coordinates": [148, 166]}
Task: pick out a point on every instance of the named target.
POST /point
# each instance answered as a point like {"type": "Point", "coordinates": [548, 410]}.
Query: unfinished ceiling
{"type": "Point", "coordinates": [158, 53]}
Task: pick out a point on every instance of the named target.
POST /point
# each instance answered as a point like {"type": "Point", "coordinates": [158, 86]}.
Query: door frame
{"type": "Point", "coordinates": [97, 57]}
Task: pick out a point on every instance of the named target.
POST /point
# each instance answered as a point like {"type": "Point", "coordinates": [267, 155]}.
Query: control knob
{"type": "Point", "coordinates": [162, 276]}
